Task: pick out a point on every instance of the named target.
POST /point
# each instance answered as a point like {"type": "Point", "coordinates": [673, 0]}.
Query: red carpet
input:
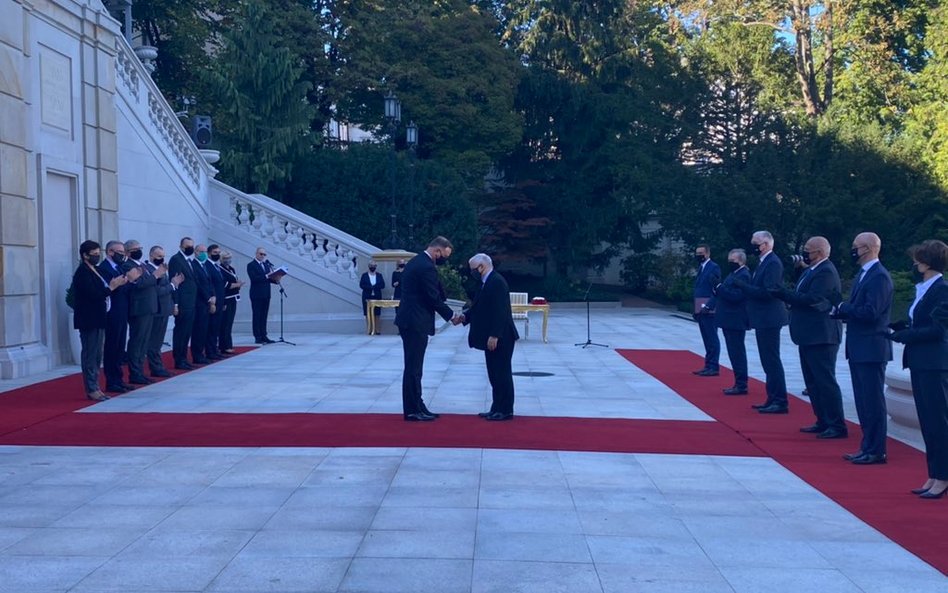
{"type": "Point", "coordinates": [878, 494]}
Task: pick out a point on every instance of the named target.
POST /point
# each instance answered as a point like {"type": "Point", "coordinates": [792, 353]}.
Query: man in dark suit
{"type": "Point", "coordinates": [185, 299]}
{"type": "Point", "coordinates": [372, 284]}
{"type": "Point", "coordinates": [415, 322]}
{"type": "Point", "coordinates": [164, 288]}
{"type": "Point", "coordinates": [866, 314]}
{"type": "Point", "coordinates": [257, 271]}
{"type": "Point", "coordinates": [818, 336]}
{"type": "Point", "coordinates": [116, 329]}
{"type": "Point", "coordinates": [143, 306]}
{"type": "Point", "coordinates": [219, 289]}
{"type": "Point", "coordinates": [493, 331]}
{"type": "Point", "coordinates": [709, 276]}
{"type": "Point", "coordinates": [730, 314]}
{"type": "Point", "coordinates": [204, 306]}
{"type": "Point", "coordinates": [767, 315]}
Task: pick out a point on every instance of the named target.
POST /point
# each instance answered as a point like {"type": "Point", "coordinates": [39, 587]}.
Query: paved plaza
{"type": "Point", "coordinates": [176, 519]}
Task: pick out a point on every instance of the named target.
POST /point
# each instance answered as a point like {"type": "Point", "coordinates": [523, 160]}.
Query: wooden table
{"type": "Point", "coordinates": [370, 311]}
{"type": "Point", "coordinates": [545, 309]}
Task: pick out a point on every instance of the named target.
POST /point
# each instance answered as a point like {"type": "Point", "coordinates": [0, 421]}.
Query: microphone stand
{"type": "Point", "coordinates": [280, 340]}
{"type": "Point", "coordinates": [589, 341]}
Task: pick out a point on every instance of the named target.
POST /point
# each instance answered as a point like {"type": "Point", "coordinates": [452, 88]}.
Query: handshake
{"type": "Point", "coordinates": [458, 319]}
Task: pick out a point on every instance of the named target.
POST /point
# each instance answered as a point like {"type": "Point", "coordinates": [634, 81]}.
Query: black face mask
{"type": "Point", "coordinates": [917, 276]}
{"type": "Point", "coordinates": [735, 266]}
{"type": "Point", "coordinates": [216, 257]}
{"type": "Point", "coordinates": [189, 250]}
{"type": "Point", "coordinates": [94, 259]}
{"type": "Point", "coordinates": [158, 261]}
{"type": "Point", "coordinates": [476, 273]}
{"type": "Point", "coordinates": [854, 255]}
{"type": "Point", "coordinates": [699, 259]}
{"type": "Point", "coordinates": [440, 260]}
{"type": "Point", "coordinates": [135, 254]}
{"type": "Point", "coordinates": [118, 258]}
{"type": "Point", "coordinates": [806, 258]}
{"type": "Point", "coordinates": [401, 266]}
{"type": "Point", "coordinates": [755, 249]}
{"type": "Point", "coordinates": [372, 268]}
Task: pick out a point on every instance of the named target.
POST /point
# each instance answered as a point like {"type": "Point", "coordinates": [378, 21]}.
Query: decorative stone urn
{"type": "Point", "coordinates": [147, 54]}
{"type": "Point", "coordinates": [211, 156]}
{"type": "Point", "coordinates": [898, 395]}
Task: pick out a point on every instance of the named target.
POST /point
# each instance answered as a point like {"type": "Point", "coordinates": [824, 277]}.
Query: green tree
{"type": "Point", "coordinates": [261, 116]}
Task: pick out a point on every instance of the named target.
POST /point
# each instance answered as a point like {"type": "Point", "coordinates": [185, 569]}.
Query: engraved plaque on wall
{"type": "Point", "coordinates": [56, 89]}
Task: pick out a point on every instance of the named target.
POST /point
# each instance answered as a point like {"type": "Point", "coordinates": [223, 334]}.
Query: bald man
{"type": "Point", "coordinates": [818, 337]}
{"type": "Point", "coordinates": [866, 314]}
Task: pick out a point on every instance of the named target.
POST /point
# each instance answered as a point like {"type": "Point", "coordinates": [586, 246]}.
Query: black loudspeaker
{"type": "Point", "coordinates": [201, 131]}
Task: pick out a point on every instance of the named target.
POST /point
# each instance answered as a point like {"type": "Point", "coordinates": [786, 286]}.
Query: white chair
{"type": "Point", "coordinates": [520, 298]}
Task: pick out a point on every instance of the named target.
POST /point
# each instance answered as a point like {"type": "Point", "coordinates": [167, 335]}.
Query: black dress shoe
{"type": "Point", "coordinates": [116, 389]}
{"type": "Point", "coordinates": [812, 428]}
{"type": "Point", "coordinates": [419, 417]}
{"type": "Point", "coordinates": [766, 404]}
{"type": "Point", "coordinates": [833, 433]}
{"type": "Point", "coordinates": [851, 456]}
{"type": "Point", "coordinates": [140, 380]}
{"type": "Point", "coordinates": [921, 490]}
{"type": "Point", "coordinates": [484, 414]}
{"type": "Point", "coordinates": [184, 366]}
{"type": "Point", "coordinates": [161, 373]}
{"type": "Point", "coordinates": [699, 371]}
{"type": "Point", "coordinates": [805, 393]}
{"type": "Point", "coordinates": [498, 417]}
{"type": "Point", "coordinates": [930, 494]}
{"type": "Point", "coordinates": [430, 413]}
{"type": "Point", "coordinates": [867, 459]}
{"type": "Point", "coordinates": [215, 357]}
{"type": "Point", "coordinates": [736, 390]}
{"type": "Point", "coordinates": [201, 361]}
{"type": "Point", "coordinates": [259, 342]}
{"type": "Point", "coordinates": [773, 409]}
{"type": "Point", "coordinates": [708, 373]}
{"type": "Point", "coordinates": [269, 341]}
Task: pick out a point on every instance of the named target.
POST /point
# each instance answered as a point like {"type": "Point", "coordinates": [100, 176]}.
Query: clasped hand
{"type": "Point", "coordinates": [457, 319]}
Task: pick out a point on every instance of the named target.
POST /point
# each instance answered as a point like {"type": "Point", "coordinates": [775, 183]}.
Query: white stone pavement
{"type": "Point", "coordinates": [384, 520]}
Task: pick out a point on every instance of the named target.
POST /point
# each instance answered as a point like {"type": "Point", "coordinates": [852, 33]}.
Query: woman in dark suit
{"type": "Point", "coordinates": [232, 286]}
{"type": "Point", "coordinates": [926, 357]}
{"type": "Point", "coordinates": [371, 285]}
{"type": "Point", "coordinates": [90, 293]}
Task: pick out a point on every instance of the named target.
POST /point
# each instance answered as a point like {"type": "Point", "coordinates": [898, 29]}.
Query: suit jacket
{"type": "Point", "coordinates": [397, 284]}
{"type": "Point", "coordinates": [259, 283]}
{"type": "Point", "coordinates": [730, 302]}
{"type": "Point", "coordinates": [165, 291]}
{"type": "Point", "coordinates": [765, 311]}
{"type": "Point", "coordinates": [143, 294]}
{"type": "Point", "coordinates": [926, 341]}
{"type": "Point", "coordinates": [490, 314]}
{"type": "Point", "coordinates": [230, 277]}
{"type": "Point", "coordinates": [89, 293]}
{"type": "Point", "coordinates": [708, 277]}
{"type": "Point", "coordinates": [369, 291]}
{"type": "Point", "coordinates": [203, 282]}
{"type": "Point", "coordinates": [218, 285]}
{"type": "Point", "coordinates": [866, 314]}
{"type": "Point", "coordinates": [810, 306]}
{"type": "Point", "coordinates": [421, 297]}
{"type": "Point", "coordinates": [120, 297]}
{"type": "Point", "coordinates": [186, 295]}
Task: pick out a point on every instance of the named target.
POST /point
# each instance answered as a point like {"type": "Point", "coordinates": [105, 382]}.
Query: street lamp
{"type": "Point", "coordinates": [393, 113]}
{"type": "Point", "coordinates": [411, 139]}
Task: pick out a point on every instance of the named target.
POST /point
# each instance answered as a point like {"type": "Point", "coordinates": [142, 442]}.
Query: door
{"type": "Point", "coordinates": [60, 256]}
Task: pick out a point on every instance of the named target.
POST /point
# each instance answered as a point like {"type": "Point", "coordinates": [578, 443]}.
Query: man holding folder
{"type": "Point", "coordinates": [261, 273]}
{"type": "Point", "coordinates": [709, 276]}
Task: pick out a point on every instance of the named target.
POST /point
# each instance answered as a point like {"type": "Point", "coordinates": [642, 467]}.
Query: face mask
{"type": "Point", "coordinates": [372, 268]}
{"type": "Point", "coordinates": [854, 255]}
{"type": "Point", "coordinates": [806, 258]}
{"type": "Point", "coordinates": [440, 260]}
{"type": "Point", "coordinates": [401, 266]}
{"type": "Point", "coordinates": [118, 258]}
{"type": "Point", "coordinates": [135, 254]}
{"type": "Point", "coordinates": [699, 259]}
{"type": "Point", "coordinates": [917, 275]}
{"type": "Point", "coordinates": [755, 249]}
{"type": "Point", "coordinates": [158, 261]}
{"type": "Point", "coordinates": [475, 273]}
{"type": "Point", "coordinates": [734, 265]}
{"type": "Point", "coordinates": [94, 259]}
{"type": "Point", "coordinates": [225, 262]}
{"type": "Point", "coordinates": [216, 257]}
{"type": "Point", "coordinates": [189, 250]}
{"type": "Point", "coordinates": [202, 257]}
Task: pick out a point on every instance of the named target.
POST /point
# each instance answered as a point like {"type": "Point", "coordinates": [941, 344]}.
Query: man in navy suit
{"type": "Point", "coordinates": [866, 314]}
{"type": "Point", "coordinates": [709, 276]}
{"type": "Point", "coordinates": [730, 314]}
{"type": "Point", "coordinates": [767, 315]}
{"type": "Point", "coordinates": [818, 337]}
{"type": "Point", "coordinates": [257, 271]}
{"type": "Point", "coordinates": [116, 330]}
{"type": "Point", "coordinates": [494, 332]}
{"type": "Point", "coordinates": [421, 298]}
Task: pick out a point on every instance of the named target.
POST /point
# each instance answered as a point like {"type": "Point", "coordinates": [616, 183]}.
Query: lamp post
{"type": "Point", "coordinates": [411, 139]}
{"type": "Point", "coordinates": [393, 113]}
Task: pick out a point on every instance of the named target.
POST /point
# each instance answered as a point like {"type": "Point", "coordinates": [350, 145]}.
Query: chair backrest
{"type": "Point", "coordinates": [519, 298]}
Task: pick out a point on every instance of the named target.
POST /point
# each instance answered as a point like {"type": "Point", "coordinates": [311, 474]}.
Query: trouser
{"type": "Point", "coordinates": [202, 314]}
{"type": "Point", "coordinates": [226, 341]}
{"type": "Point", "coordinates": [92, 341]}
{"type": "Point", "coordinates": [260, 308]}
{"type": "Point", "coordinates": [768, 346]}
{"type": "Point", "coordinates": [868, 392]}
{"type": "Point", "coordinates": [159, 327]}
{"type": "Point", "coordinates": [183, 328]}
{"type": "Point", "coordinates": [500, 375]}
{"type": "Point", "coordinates": [712, 345]}
{"type": "Point", "coordinates": [930, 390]}
{"type": "Point", "coordinates": [139, 332]}
{"type": "Point", "coordinates": [116, 332]}
{"type": "Point", "coordinates": [214, 324]}
{"type": "Point", "coordinates": [818, 363]}
{"type": "Point", "coordinates": [737, 352]}
{"type": "Point", "coordinates": [414, 345]}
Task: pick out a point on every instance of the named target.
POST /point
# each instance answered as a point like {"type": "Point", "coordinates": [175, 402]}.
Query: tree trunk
{"type": "Point", "coordinates": [803, 58]}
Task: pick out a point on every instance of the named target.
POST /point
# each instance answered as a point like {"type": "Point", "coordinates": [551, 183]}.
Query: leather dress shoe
{"type": "Point", "coordinates": [184, 366]}
{"type": "Point", "coordinates": [867, 459]}
{"type": "Point", "coordinates": [419, 417]}
{"type": "Point", "coordinates": [428, 412]}
{"type": "Point", "coordinates": [117, 388]}
{"type": "Point", "coordinates": [812, 428]}
{"type": "Point", "coordinates": [736, 390]}
{"type": "Point", "coordinates": [140, 380]}
{"type": "Point", "coordinates": [805, 392]}
{"type": "Point", "coordinates": [766, 404]}
{"type": "Point", "coordinates": [699, 371]}
{"type": "Point", "coordinates": [708, 373]}
{"type": "Point", "coordinates": [215, 357]}
{"type": "Point", "coordinates": [269, 341]}
{"type": "Point", "coordinates": [833, 433]}
{"type": "Point", "coordinates": [498, 417]}
{"type": "Point", "coordinates": [773, 409]}
{"type": "Point", "coordinates": [484, 414]}
{"type": "Point", "coordinates": [161, 373]}
{"type": "Point", "coordinates": [200, 361]}
{"type": "Point", "coordinates": [851, 456]}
